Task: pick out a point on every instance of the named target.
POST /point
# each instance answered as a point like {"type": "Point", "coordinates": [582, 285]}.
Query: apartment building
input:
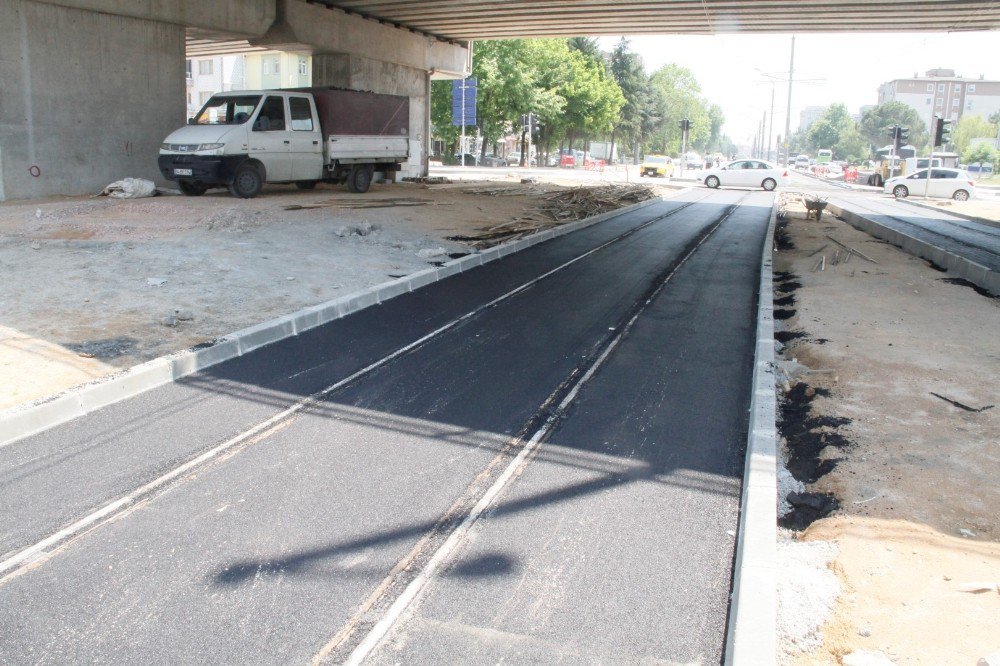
{"type": "Point", "coordinates": [942, 93]}
{"type": "Point", "coordinates": [260, 70]}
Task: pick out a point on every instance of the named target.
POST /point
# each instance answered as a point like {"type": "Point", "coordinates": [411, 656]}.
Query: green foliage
{"type": "Point", "coordinates": [677, 95]}
{"type": "Point", "coordinates": [968, 128]}
{"type": "Point", "coordinates": [851, 146]}
{"type": "Point", "coordinates": [577, 91]}
{"type": "Point", "coordinates": [876, 123]}
{"type": "Point", "coordinates": [441, 113]}
{"type": "Point", "coordinates": [981, 153]}
{"type": "Point", "coordinates": [836, 130]}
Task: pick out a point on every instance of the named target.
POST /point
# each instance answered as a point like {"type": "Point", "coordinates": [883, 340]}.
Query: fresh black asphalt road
{"type": "Point", "coordinates": [613, 543]}
{"type": "Point", "coordinates": [976, 241]}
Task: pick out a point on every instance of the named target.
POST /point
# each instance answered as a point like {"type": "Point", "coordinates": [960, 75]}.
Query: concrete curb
{"type": "Point", "coordinates": [970, 218]}
{"type": "Point", "coordinates": [959, 266]}
{"type": "Point", "coordinates": [751, 637]}
{"type": "Point", "coordinates": [26, 420]}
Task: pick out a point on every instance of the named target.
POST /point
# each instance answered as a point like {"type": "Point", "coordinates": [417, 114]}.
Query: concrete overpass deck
{"type": "Point", "coordinates": [489, 19]}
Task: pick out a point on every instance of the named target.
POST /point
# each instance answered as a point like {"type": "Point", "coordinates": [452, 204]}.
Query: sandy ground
{"type": "Point", "coordinates": [917, 478]}
{"type": "Point", "coordinates": [88, 282]}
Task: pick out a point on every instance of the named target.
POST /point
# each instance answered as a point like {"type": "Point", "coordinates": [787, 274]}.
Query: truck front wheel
{"type": "Point", "coordinates": [360, 178]}
{"type": "Point", "coordinates": [247, 181]}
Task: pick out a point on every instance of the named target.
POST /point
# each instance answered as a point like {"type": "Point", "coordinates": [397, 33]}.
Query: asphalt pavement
{"type": "Point", "coordinates": [300, 540]}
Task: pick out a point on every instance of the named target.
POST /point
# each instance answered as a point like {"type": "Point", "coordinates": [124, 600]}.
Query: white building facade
{"type": "Point", "coordinates": [943, 94]}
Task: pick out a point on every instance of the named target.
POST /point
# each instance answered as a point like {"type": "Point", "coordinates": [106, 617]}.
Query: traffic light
{"type": "Point", "coordinates": [942, 131]}
{"type": "Point", "coordinates": [899, 136]}
{"type": "Point", "coordinates": [684, 124]}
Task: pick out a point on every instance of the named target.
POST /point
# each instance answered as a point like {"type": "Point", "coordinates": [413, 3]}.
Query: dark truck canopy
{"type": "Point", "coordinates": [343, 111]}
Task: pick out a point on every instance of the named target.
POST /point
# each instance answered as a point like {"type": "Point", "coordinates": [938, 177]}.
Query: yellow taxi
{"type": "Point", "coordinates": [657, 165]}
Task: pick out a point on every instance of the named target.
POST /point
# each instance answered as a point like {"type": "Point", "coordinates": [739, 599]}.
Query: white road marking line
{"type": "Point", "coordinates": [447, 549]}
{"type": "Point", "coordinates": [11, 566]}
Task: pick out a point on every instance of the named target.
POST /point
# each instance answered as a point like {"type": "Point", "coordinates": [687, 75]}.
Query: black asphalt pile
{"type": "Point", "coordinates": [806, 440]}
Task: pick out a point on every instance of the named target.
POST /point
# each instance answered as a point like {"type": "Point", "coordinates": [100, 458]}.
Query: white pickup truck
{"type": "Point", "coordinates": [243, 139]}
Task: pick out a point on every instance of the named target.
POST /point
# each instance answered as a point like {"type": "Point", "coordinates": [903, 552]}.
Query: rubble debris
{"type": "Point", "coordinates": [865, 658]}
{"type": "Point", "coordinates": [169, 321]}
{"type": "Point", "coordinates": [428, 180]}
{"type": "Point", "coordinates": [184, 315]}
{"type": "Point", "coordinates": [851, 249]}
{"type": "Point", "coordinates": [979, 587]}
{"type": "Point", "coordinates": [356, 204]}
{"type": "Point", "coordinates": [129, 188]}
{"type": "Point", "coordinates": [554, 208]}
{"type": "Point", "coordinates": [431, 252]}
{"type": "Point", "coordinates": [156, 281]}
{"type": "Point", "coordinates": [962, 405]}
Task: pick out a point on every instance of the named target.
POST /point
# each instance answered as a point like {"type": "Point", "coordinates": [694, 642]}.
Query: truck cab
{"type": "Point", "coordinates": [243, 139]}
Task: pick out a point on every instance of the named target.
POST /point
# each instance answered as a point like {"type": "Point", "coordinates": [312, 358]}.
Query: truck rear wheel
{"type": "Point", "coordinates": [360, 178]}
{"type": "Point", "coordinates": [247, 181]}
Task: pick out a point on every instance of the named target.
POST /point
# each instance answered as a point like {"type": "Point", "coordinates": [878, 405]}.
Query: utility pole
{"type": "Point", "coordinates": [763, 123]}
{"type": "Point", "coordinates": [461, 149]}
{"type": "Point", "coordinates": [770, 126]}
{"type": "Point", "coordinates": [788, 110]}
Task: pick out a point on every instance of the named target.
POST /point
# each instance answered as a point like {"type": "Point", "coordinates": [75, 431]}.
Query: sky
{"type": "Point", "coordinates": [735, 71]}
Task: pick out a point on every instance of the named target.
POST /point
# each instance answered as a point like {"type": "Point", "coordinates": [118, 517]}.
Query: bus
{"type": "Point", "coordinates": [824, 156]}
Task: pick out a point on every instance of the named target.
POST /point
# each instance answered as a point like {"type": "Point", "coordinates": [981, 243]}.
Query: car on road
{"type": "Point", "coordinates": [948, 183]}
{"type": "Point", "coordinates": [693, 161]}
{"type": "Point", "coordinates": [747, 173]}
{"type": "Point", "coordinates": [492, 161]}
{"type": "Point", "coordinates": [802, 162]}
{"type": "Point", "coordinates": [657, 165]}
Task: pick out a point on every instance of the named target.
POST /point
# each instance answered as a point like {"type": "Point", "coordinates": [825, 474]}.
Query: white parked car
{"type": "Point", "coordinates": [947, 183]}
{"type": "Point", "coordinates": [747, 173]}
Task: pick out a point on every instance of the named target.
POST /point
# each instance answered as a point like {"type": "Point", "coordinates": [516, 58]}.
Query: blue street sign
{"type": "Point", "coordinates": [470, 88]}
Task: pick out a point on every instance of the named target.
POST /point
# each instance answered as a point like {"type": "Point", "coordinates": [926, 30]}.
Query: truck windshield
{"type": "Point", "coordinates": [227, 110]}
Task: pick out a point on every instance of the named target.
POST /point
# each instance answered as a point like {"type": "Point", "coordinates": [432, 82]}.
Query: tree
{"type": "Point", "coordinates": [588, 46]}
{"type": "Point", "coordinates": [630, 75]}
{"type": "Point", "coordinates": [677, 96]}
{"type": "Point", "coordinates": [876, 123]}
{"type": "Point", "coordinates": [851, 146]}
{"type": "Point", "coordinates": [981, 153]}
{"type": "Point", "coordinates": [506, 86]}
{"type": "Point", "coordinates": [968, 128]}
{"type": "Point", "coordinates": [441, 96]}
{"type": "Point", "coordinates": [826, 131]}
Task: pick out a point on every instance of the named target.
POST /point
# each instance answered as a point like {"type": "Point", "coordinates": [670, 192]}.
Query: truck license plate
{"type": "Point", "coordinates": [183, 172]}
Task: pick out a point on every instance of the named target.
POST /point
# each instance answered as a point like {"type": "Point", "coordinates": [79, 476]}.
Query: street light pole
{"type": "Point", "coordinates": [770, 126]}
{"type": "Point", "coordinates": [788, 110]}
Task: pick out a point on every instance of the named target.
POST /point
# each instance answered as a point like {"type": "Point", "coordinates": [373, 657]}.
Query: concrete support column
{"type": "Point", "coordinates": [360, 73]}
{"type": "Point", "coordinates": [86, 97]}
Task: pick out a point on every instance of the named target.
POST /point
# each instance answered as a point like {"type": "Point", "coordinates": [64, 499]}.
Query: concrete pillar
{"type": "Point", "coordinates": [361, 73]}
{"type": "Point", "coordinates": [86, 97]}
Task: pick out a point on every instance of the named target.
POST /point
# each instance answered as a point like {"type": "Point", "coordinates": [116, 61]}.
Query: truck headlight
{"type": "Point", "coordinates": [209, 146]}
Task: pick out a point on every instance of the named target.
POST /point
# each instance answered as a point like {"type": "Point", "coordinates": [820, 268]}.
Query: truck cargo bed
{"type": "Point", "coordinates": [367, 148]}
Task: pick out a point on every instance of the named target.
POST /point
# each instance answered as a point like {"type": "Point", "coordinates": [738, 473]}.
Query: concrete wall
{"type": "Point", "coordinates": [243, 18]}
{"type": "Point", "coordinates": [305, 27]}
{"type": "Point", "coordinates": [85, 98]}
{"type": "Point", "coordinates": [359, 73]}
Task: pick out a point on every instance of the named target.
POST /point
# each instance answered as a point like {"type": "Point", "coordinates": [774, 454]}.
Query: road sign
{"type": "Point", "coordinates": [463, 101]}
